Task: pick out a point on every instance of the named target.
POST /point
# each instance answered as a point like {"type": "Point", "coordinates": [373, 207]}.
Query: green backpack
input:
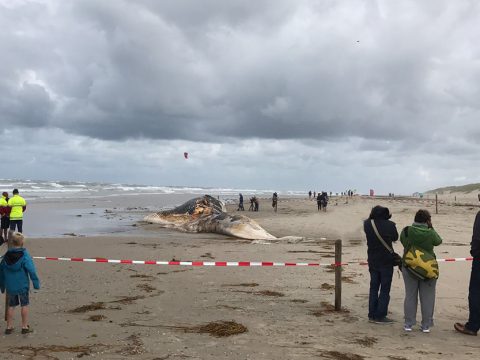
{"type": "Point", "coordinates": [418, 262]}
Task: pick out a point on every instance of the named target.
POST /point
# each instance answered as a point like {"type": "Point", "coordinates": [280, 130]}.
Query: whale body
{"type": "Point", "coordinates": [207, 214]}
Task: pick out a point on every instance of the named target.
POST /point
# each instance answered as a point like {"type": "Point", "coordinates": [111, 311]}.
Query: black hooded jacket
{"type": "Point", "coordinates": [475, 244]}
{"type": "Point", "coordinates": [378, 255]}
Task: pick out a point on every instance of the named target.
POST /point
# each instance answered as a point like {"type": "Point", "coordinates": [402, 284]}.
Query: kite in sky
{"type": "Point", "coordinates": [185, 154]}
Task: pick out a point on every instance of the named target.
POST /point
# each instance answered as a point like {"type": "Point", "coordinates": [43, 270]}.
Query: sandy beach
{"type": "Point", "coordinates": [119, 311]}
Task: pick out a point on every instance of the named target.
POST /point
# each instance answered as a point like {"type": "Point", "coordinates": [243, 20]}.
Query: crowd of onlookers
{"type": "Point", "coordinates": [419, 268]}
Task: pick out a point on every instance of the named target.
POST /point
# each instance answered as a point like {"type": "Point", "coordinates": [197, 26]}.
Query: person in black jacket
{"type": "Point", "coordinates": [380, 262]}
{"type": "Point", "coordinates": [473, 324]}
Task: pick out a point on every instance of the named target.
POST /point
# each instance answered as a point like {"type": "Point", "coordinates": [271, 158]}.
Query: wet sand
{"type": "Point", "coordinates": [107, 311]}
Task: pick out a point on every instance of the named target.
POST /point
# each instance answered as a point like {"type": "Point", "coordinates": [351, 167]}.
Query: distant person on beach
{"type": "Point", "coordinates": [309, 194]}
{"type": "Point", "coordinates": [16, 271]}
{"type": "Point", "coordinates": [275, 201]}
{"type": "Point", "coordinates": [5, 217]}
{"type": "Point", "coordinates": [380, 262]}
{"type": "Point", "coordinates": [240, 203]}
{"type": "Point", "coordinates": [253, 204]}
{"type": "Point", "coordinates": [472, 326]}
{"type": "Point", "coordinates": [18, 206]}
{"type": "Point", "coordinates": [324, 200]}
{"type": "Point", "coordinates": [422, 235]}
{"type": "Point", "coordinates": [314, 195]}
{"type": "Point", "coordinates": [319, 202]}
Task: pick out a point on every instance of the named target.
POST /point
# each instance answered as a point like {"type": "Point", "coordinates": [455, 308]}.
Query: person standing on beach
{"type": "Point", "coordinates": [16, 271]}
{"type": "Point", "coordinates": [18, 205]}
{"type": "Point", "coordinates": [253, 204]}
{"type": "Point", "coordinates": [5, 217]}
{"type": "Point", "coordinates": [323, 200]}
{"type": "Point", "coordinates": [275, 201]}
{"type": "Point", "coordinates": [472, 326]}
{"type": "Point", "coordinates": [309, 194]}
{"type": "Point", "coordinates": [240, 203]}
{"type": "Point", "coordinates": [422, 235]}
{"type": "Point", "coordinates": [319, 202]}
{"type": "Point", "coordinates": [380, 262]}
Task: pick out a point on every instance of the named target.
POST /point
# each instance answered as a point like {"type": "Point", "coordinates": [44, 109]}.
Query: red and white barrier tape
{"type": "Point", "coordinates": [217, 263]}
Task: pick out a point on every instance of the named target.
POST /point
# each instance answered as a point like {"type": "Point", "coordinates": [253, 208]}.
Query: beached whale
{"type": "Point", "coordinates": [207, 214]}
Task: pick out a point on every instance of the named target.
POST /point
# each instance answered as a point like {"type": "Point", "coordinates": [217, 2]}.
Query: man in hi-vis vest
{"type": "Point", "coordinates": [18, 206]}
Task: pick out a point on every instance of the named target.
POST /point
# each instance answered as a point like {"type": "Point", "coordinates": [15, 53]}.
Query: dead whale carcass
{"type": "Point", "coordinates": [207, 214]}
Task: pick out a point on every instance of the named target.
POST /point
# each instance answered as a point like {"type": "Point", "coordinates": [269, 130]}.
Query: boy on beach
{"type": "Point", "coordinates": [16, 270]}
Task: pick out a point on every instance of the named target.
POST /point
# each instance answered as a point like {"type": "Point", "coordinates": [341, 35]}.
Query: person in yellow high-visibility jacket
{"type": "Point", "coordinates": [5, 214]}
{"type": "Point", "coordinates": [18, 206]}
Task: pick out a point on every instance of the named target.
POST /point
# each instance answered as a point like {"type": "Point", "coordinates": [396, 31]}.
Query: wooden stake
{"type": "Point", "coordinates": [436, 204]}
{"type": "Point", "coordinates": [6, 305]}
{"type": "Point", "coordinates": [338, 275]}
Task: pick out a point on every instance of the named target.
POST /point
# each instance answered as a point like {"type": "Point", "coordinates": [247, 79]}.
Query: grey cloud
{"type": "Point", "coordinates": [215, 70]}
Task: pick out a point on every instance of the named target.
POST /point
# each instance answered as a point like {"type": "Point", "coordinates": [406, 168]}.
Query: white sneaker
{"type": "Point", "coordinates": [407, 328]}
{"type": "Point", "coordinates": [425, 330]}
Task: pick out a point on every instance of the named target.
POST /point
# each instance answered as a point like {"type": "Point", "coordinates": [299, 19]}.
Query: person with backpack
{"type": "Point", "coordinates": [380, 262]}
{"type": "Point", "coordinates": [420, 270]}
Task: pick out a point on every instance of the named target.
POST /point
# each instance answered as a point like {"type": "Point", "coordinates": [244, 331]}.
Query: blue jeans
{"type": "Point", "coordinates": [380, 283]}
{"type": "Point", "coordinates": [474, 297]}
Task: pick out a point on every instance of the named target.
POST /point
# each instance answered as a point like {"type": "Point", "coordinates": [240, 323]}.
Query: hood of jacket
{"type": "Point", "coordinates": [14, 258]}
{"type": "Point", "coordinates": [421, 235]}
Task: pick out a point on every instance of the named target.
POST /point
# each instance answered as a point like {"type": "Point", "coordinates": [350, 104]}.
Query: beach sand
{"type": "Point", "coordinates": [106, 311]}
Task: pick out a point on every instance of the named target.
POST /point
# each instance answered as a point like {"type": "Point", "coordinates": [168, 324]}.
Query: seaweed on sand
{"type": "Point", "coordinates": [32, 352]}
{"type": "Point", "coordinates": [216, 328]}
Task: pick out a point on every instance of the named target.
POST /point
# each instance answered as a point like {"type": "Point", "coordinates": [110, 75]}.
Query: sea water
{"type": "Point", "coordinates": [62, 208]}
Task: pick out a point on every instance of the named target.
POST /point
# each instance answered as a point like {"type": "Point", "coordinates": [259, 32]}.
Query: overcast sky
{"type": "Point", "coordinates": [271, 94]}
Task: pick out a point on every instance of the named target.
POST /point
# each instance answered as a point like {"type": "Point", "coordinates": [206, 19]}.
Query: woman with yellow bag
{"type": "Point", "coordinates": [420, 270]}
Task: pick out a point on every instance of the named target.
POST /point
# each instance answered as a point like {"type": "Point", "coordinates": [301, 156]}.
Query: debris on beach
{"type": "Point", "coordinates": [142, 276]}
{"type": "Point", "coordinates": [86, 308]}
{"type": "Point", "coordinates": [219, 328]}
{"type": "Point", "coordinates": [216, 328]}
{"type": "Point", "coordinates": [134, 346]}
{"type": "Point", "coordinates": [270, 293]}
{"type": "Point", "coordinates": [328, 309]}
{"type": "Point", "coordinates": [31, 352]}
{"type": "Point", "coordinates": [146, 287]}
{"type": "Point", "coordinates": [96, 317]}
{"type": "Point", "coordinates": [242, 284]}
{"type": "Point", "coordinates": [367, 341]}
{"type": "Point", "coordinates": [326, 286]}
{"type": "Point", "coordinates": [337, 355]}
{"type": "Point", "coordinates": [127, 300]}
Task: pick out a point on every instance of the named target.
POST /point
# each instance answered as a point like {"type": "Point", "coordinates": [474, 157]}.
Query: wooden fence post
{"type": "Point", "coordinates": [436, 203]}
{"type": "Point", "coordinates": [338, 275]}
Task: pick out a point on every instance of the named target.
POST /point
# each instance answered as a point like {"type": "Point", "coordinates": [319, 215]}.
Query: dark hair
{"type": "Point", "coordinates": [15, 191]}
{"type": "Point", "coordinates": [380, 213]}
{"type": "Point", "coordinates": [422, 216]}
